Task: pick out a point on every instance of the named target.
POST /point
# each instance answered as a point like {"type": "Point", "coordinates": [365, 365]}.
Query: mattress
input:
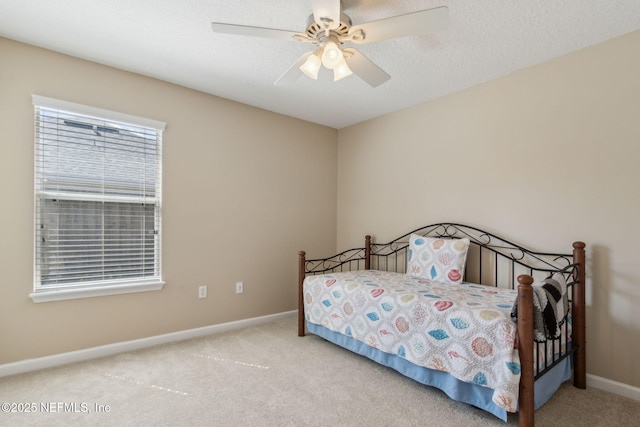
{"type": "Point", "coordinates": [454, 335]}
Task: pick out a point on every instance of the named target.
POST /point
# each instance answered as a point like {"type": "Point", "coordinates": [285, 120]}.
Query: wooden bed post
{"type": "Point", "coordinates": [525, 348]}
{"type": "Point", "coordinates": [367, 252]}
{"type": "Point", "coordinates": [301, 263]}
{"type": "Point", "coordinates": [579, 317]}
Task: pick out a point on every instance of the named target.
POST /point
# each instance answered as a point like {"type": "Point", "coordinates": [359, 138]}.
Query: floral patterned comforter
{"type": "Point", "coordinates": [464, 330]}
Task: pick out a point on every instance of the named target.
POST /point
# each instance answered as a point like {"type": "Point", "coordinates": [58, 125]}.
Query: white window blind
{"type": "Point", "coordinates": [97, 198]}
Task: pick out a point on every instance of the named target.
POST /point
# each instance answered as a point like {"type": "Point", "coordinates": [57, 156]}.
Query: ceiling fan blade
{"type": "Point", "coordinates": [326, 10]}
{"type": "Point", "coordinates": [243, 30]}
{"type": "Point", "coordinates": [293, 72]}
{"type": "Point", "coordinates": [411, 24]}
{"type": "Point", "coordinates": [364, 68]}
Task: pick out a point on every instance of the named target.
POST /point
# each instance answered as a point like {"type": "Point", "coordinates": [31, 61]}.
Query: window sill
{"type": "Point", "coordinates": [94, 291]}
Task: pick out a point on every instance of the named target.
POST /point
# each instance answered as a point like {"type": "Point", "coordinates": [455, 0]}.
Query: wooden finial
{"type": "Point", "coordinates": [525, 279]}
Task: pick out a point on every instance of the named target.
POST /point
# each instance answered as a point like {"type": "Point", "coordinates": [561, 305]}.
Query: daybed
{"type": "Point", "coordinates": [489, 322]}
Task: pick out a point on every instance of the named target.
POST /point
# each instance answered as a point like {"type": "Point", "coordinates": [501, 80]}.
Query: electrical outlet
{"type": "Point", "coordinates": [202, 291]}
{"type": "Point", "coordinates": [239, 287]}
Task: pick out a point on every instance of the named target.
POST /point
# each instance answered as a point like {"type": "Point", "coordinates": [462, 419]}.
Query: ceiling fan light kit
{"type": "Point", "coordinates": [332, 58]}
{"type": "Point", "coordinates": [329, 29]}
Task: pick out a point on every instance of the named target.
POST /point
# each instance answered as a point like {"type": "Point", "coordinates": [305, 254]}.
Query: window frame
{"type": "Point", "coordinates": [46, 293]}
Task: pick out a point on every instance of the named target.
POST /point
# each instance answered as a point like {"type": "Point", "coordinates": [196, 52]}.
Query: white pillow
{"type": "Point", "coordinates": [437, 259]}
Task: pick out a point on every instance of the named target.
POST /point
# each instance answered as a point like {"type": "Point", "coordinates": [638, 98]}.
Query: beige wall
{"type": "Point", "coordinates": [545, 156]}
{"type": "Point", "coordinates": [237, 192]}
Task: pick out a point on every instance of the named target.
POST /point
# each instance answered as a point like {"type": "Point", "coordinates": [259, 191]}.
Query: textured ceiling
{"type": "Point", "coordinates": [172, 40]}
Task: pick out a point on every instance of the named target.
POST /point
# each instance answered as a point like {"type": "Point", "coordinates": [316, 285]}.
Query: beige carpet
{"type": "Point", "coordinates": [264, 376]}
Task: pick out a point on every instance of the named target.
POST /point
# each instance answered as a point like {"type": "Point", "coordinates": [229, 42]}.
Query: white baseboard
{"type": "Point", "coordinates": [614, 387]}
{"type": "Point", "coordinates": [29, 365]}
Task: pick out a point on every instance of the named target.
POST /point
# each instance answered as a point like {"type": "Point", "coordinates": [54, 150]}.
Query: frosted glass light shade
{"type": "Point", "coordinates": [341, 71]}
{"type": "Point", "coordinates": [311, 66]}
{"type": "Point", "coordinates": [331, 56]}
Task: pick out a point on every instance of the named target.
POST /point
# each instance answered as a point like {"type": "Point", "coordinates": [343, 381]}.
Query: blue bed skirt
{"type": "Point", "coordinates": [458, 390]}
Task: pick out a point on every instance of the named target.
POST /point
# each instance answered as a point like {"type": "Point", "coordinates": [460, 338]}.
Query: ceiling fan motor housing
{"type": "Point", "coordinates": [338, 35]}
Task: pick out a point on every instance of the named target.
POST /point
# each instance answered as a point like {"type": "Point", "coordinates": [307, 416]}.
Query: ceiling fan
{"type": "Point", "coordinates": [329, 29]}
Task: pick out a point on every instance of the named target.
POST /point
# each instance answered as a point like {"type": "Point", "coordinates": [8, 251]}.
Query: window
{"type": "Point", "coordinates": [97, 202]}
